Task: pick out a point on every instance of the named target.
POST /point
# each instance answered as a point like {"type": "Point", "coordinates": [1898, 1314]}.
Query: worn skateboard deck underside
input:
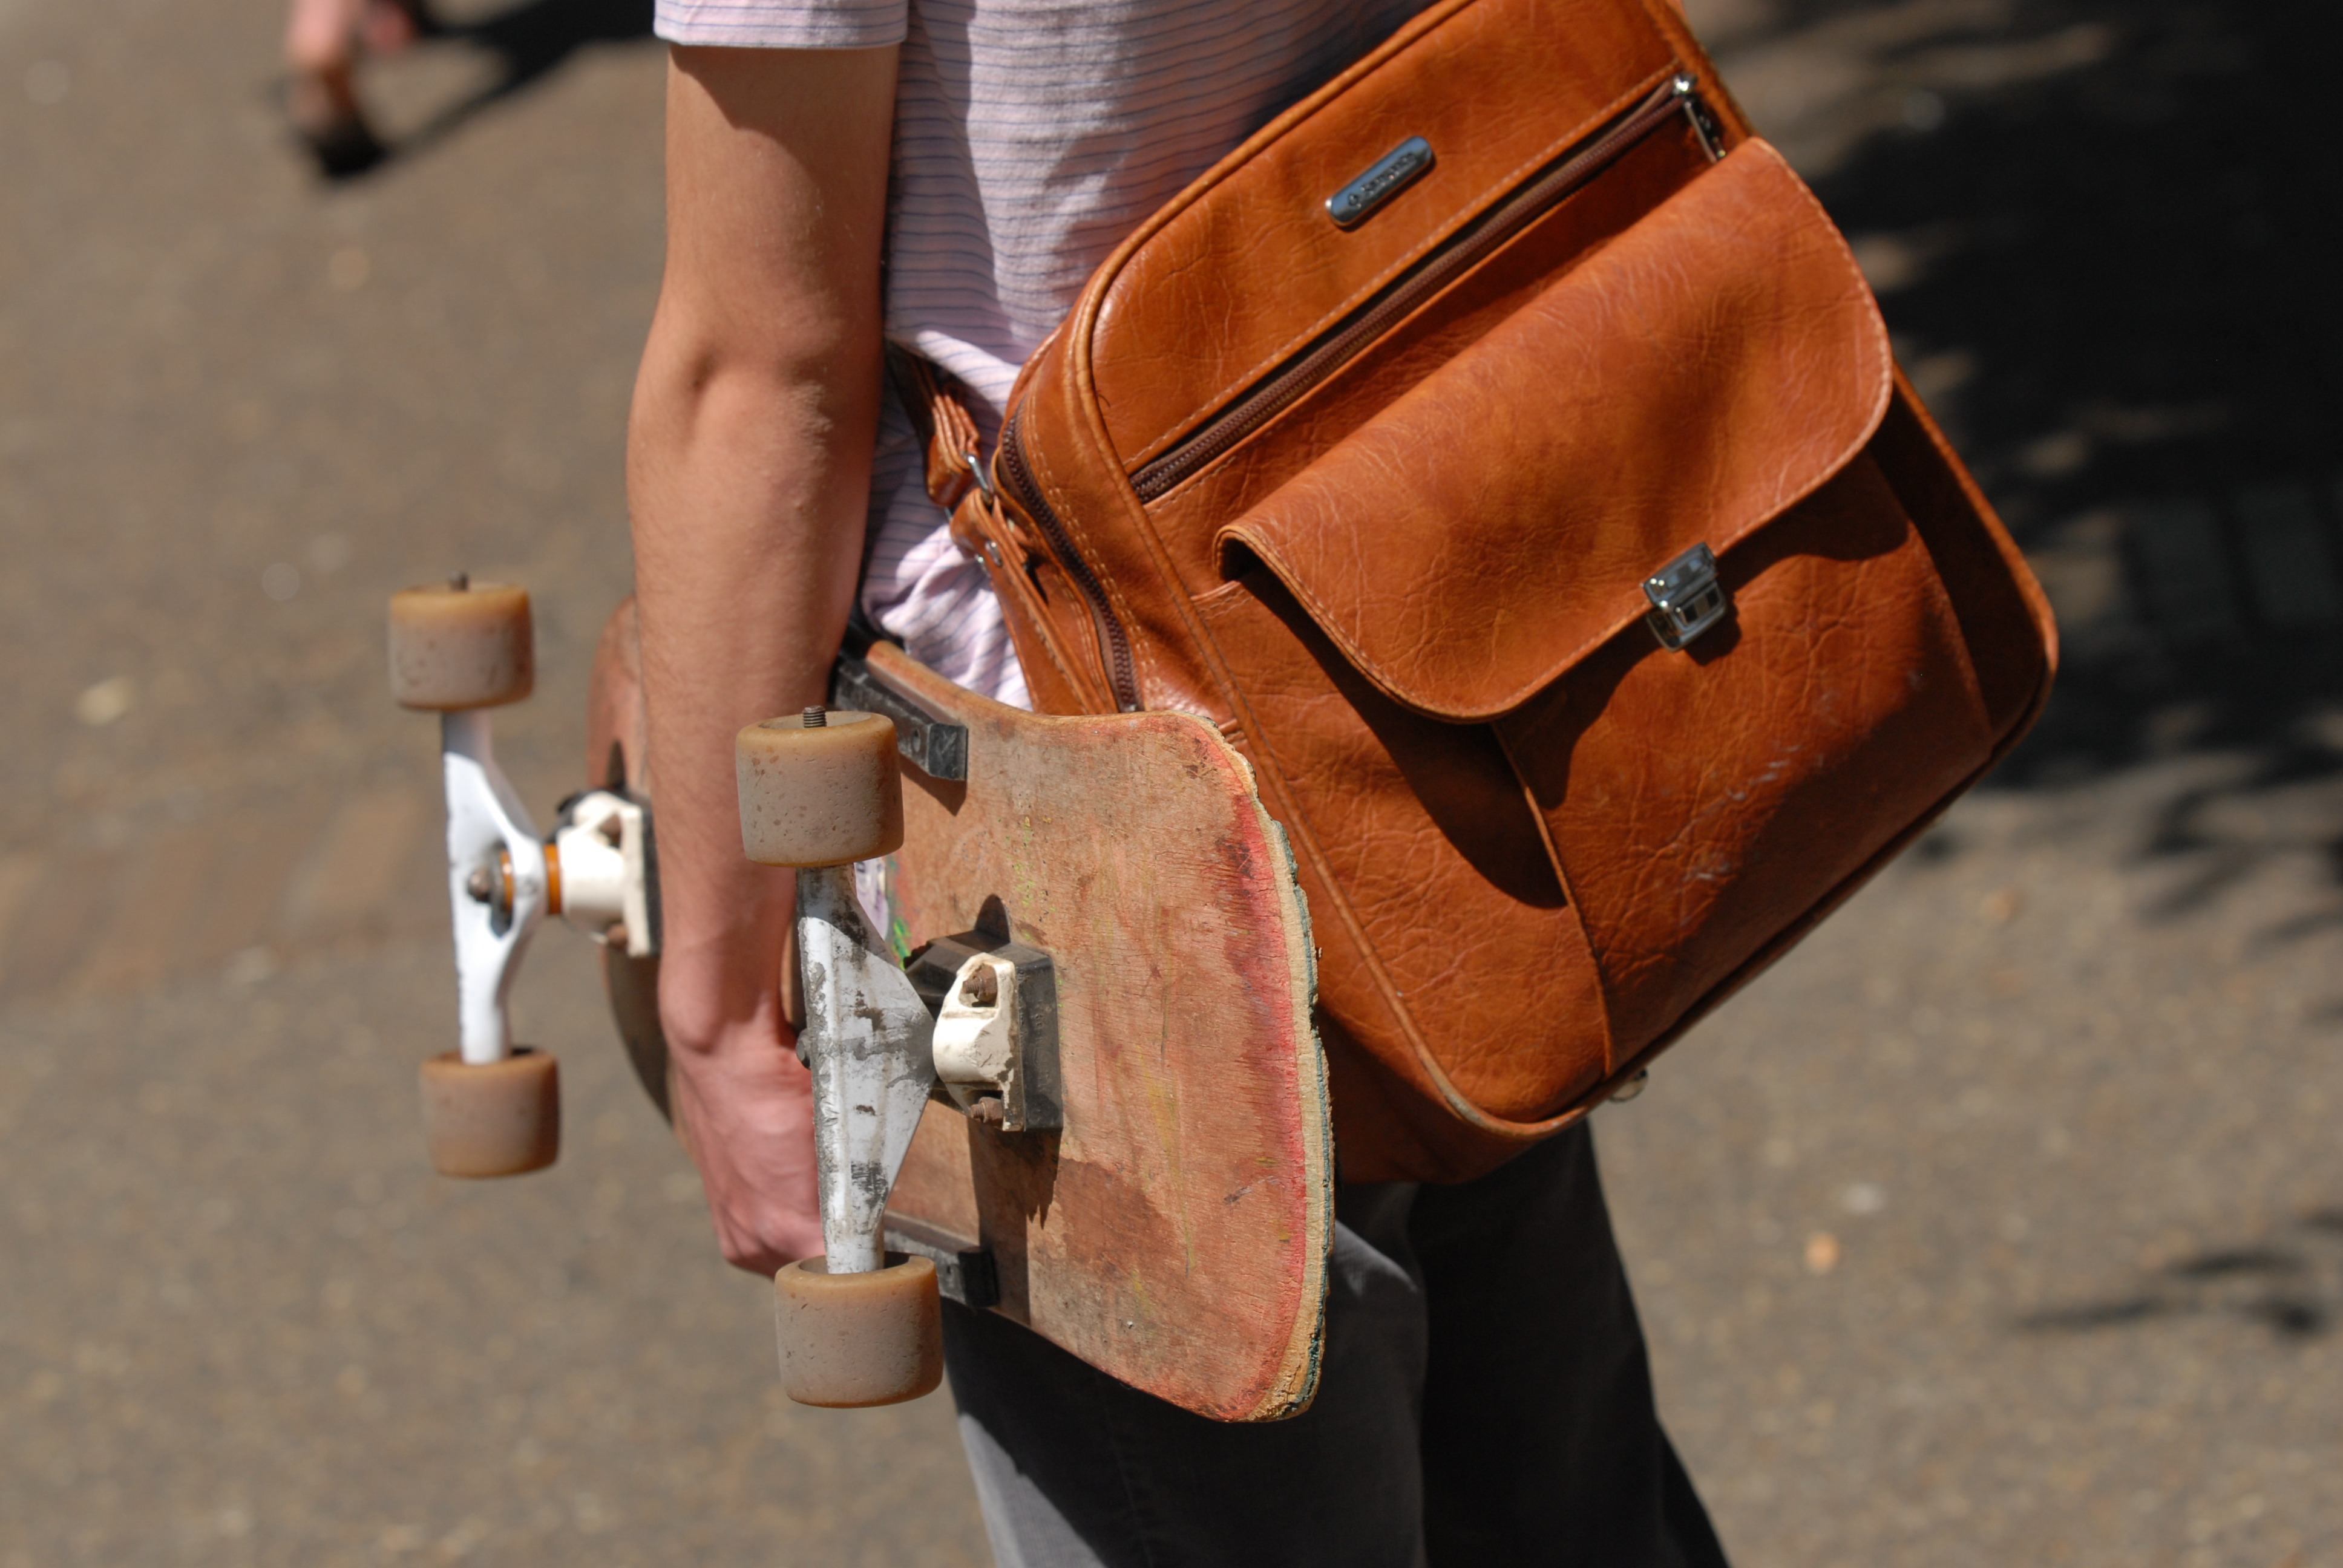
{"type": "Point", "coordinates": [1174, 1232]}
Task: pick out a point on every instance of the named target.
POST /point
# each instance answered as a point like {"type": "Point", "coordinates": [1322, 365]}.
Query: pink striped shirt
{"type": "Point", "coordinates": [1030, 135]}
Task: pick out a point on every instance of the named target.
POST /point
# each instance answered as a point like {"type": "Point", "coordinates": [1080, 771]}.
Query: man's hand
{"type": "Point", "coordinates": [748, 474]}
{"type": "Point", "coordinates": [745, 1109]}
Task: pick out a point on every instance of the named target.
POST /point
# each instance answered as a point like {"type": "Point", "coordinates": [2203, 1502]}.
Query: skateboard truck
{"type": "Point", "coordinates": [492, 1108]}
{"type": "Point", "coordinates": [819, 791]}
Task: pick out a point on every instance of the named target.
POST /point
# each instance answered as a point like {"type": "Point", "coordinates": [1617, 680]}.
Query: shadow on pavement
{"type": "Point", "coordinates": [525, 43]}
{"type": "Point", "coordinates": [2293, 1287]}
{"type": "Point", "coordinates": [2093, 227]}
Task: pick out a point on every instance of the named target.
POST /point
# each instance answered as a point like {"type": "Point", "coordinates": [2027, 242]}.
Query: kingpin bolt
{"type": "Point", "coordinates": [481, 884]}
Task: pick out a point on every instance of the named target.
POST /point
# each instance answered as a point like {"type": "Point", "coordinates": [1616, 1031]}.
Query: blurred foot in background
{"type": "Point", "coordinates": [324, 41]}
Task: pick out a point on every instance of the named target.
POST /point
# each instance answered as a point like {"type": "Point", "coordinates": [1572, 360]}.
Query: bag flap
{"type": "Point", "coordinates": [1696, 378]}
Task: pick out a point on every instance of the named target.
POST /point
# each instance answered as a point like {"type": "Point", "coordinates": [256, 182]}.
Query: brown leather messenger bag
{"type": "Point", "coordinates": [1503, 448]}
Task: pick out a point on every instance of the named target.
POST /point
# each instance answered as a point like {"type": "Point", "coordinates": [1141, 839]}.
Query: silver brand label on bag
{"type": "Point", "coordinates": [1389, 174]}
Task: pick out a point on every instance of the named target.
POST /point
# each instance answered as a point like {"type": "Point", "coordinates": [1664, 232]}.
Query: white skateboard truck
{"type": "Point", "coordinates": [492, 1108]}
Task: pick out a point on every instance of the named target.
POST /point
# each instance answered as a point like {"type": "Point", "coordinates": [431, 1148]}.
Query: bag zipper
{"type": "Point", "coordinates": [1462, 252]}
{"type": "Point", "coordinates": [1016, 480]}
{"type": "Point", "coordinates": [1285, 388]}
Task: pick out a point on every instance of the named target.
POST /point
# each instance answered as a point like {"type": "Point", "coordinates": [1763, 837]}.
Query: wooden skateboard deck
{"type": "Point", "coordinates": [1174, 1233]}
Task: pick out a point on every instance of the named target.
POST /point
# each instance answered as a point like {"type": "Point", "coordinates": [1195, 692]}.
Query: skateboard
{"type": "Point", "coordinates": [1053, 978]}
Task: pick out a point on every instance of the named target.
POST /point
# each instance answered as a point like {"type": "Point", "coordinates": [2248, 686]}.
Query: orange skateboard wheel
{"type": "Point", "coordinates": [457, 645]}
{"type": "Point", "coordinates": [853, 1340]}
{"type": "Point", "coordinates": [493, 1118]}
{"type": "Point", "coordinates": [819, 789]}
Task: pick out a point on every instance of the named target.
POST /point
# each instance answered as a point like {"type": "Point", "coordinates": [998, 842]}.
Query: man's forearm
{"type": "Point", "coordinates": [748, 524]}
{"type": "Point", "coordinates": [747, 472]}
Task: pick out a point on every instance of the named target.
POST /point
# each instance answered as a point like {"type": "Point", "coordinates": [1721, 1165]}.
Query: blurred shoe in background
{"type": "Point", "coordinates": [324, 42]}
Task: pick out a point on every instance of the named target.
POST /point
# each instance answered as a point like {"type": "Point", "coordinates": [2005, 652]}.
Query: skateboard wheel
{"type": "Point", "coordinates": [492, 1118]}
{"type": "Point", "coordinates": [819, 789]}
{"type": "Point", "coordinates": [455, 646]}
{"type": "Point", "coordinates": [853, 1340]}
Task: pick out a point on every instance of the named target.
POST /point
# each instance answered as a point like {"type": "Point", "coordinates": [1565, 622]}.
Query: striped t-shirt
{"type": "Point", "coordinates": [1030, 135]}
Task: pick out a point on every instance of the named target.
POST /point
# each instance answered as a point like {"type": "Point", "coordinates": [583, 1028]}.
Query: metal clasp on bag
{"type": "Point", "coordinates": [1687, 599]}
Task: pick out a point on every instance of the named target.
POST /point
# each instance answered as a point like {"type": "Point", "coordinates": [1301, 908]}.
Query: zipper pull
{"type": "Point", "coordinates": [1686, 91]}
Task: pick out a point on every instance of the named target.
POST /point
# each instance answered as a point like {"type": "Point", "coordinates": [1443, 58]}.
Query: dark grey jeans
{"type": "Point", "coordinates": [1484, 1399]}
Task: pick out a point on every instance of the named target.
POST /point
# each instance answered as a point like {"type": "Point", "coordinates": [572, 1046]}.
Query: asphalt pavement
{"type": "Point", "coordinates": [2001, 1223]}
